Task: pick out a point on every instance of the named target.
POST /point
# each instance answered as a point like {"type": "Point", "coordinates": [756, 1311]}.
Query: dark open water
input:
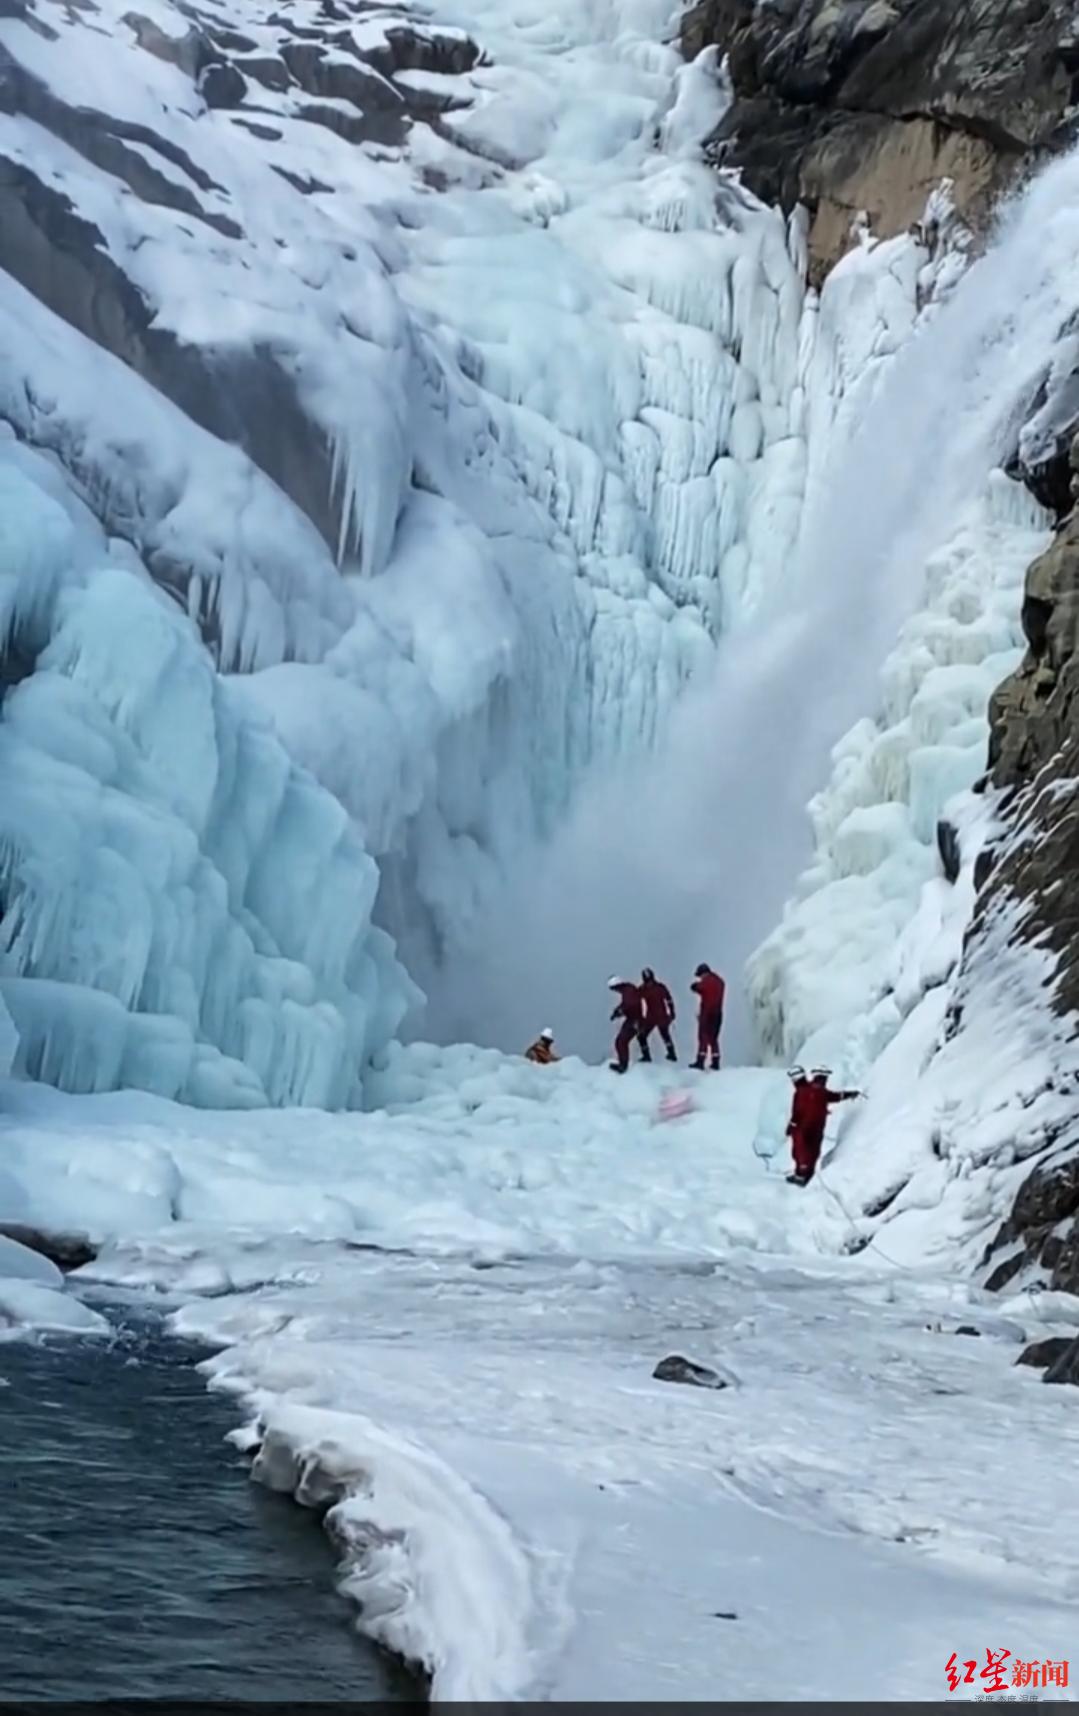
{"type": "Point", "coordinates": [137, 1559]}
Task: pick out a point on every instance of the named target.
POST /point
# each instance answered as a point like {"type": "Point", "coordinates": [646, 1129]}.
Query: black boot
{"type": "Point", "coordinates": [646, 1053]}
{"type": "Point", "coordinates": [698, 1064]}
{"type": "Point", "coordinates": [798, 1179]}
{"type": "Point", "coordinates": [671, 1056]}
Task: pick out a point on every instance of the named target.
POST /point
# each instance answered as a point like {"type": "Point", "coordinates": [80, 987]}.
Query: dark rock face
{"type": "Point", "coordinates": [1034, 756]}
{"type": "Point", "coordinates": [1065, 1368]}
{"type": "Point", "coordinates": [1006, 1272]}
{"type": "Point", "coordinates": [1027, 876]}
{"type": "Point", "coordinates": [242, 396]}
{"type": "Point", "coordinates": [222, 86]}
{"type": "Point", "coordinates": [948, 847]}
{"type": "Point", "coordinates": [677, 1369]}
{"type": "Point", "coordinates": [851, 105]}
{"type": "Point", "coordinates": [1040, 1355]}
{"type": "Point", "coordinates": [66, 1250]}
{"type": "Point", "coordinates": [1042, 1230]}
{"type": "Point", "coordinates": [248, 397]}
{"type": "Point", "coordinates": [1032, 713]}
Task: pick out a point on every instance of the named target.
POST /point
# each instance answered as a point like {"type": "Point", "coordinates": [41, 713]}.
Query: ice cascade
{"type": "Point", "coordinates": [694, 852]}
{"type": "Point", "coordinates": [184, 909]}
{"type": "Point", "coordinates": [558, 398]}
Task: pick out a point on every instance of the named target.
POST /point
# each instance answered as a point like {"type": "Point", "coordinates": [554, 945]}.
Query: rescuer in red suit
{"type": "Point", "coordinates": [809, 1116]}
{"type": "Point", "coordinates": [657, 1003]}
{"type": "Point", "coordinates": [630, 1010]}
{"type": "Point", "coordinates": [711, 989]}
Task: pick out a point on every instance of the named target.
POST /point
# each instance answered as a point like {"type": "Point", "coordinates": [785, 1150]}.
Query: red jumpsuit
{"type": "Point", "coordinates": [711, 989]}
{"type": "Point", "coordinates": [658, 1006]}
{"type": "Point", "coordinates": [630, 1010]}
{"type": "Point", "coordinates": [809, 1117]}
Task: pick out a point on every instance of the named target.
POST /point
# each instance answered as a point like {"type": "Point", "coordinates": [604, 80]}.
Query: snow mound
{"type": "Point", "coordinates": [18, 1262]}
{"type": "Point", "coordinates": [27, 1307]}
{"type": "Point", "coordinates": [472, 1152]}
{"type": "Point", "coordinates": [32, 1297]}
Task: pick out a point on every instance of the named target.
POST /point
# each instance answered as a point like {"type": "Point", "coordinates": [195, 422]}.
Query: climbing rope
{"type": "Point", "coordinates": [853, 1225]}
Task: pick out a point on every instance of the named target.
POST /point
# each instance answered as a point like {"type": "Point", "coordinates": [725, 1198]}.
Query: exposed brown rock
{"type": "Point", "coordinates": [886, 169]}
{"type": "Point", "coordinates": [855, 106]}
{"type": "Point", "coordinates": [1032, 713]}
{"type": "Point", "coordinates": [1034, 755]}
{"type": "Point", "coordinates": [66, 1250]}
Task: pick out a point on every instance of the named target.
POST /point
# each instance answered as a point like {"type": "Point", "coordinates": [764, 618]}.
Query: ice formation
{"type": "Point", "coordinates": [876, 822]}
{"type": "Point", "coordinates": [184, 909]}
{"type": "Point", "coordinates": [560, 396]}
{"type": "Point", "coordinates": [697, 850]}
{"type": "Point", "coordinates": [554, 414]}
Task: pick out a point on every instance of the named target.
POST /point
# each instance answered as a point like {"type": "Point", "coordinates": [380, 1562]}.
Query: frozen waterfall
{"type": "Point", "coordinates": [622, 524]}
{"type": "Point", "coordinates": [692, 853]}
{"type": "Point", "coordinates": [548, 363]}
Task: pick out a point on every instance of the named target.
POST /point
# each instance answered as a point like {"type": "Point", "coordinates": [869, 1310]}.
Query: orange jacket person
{"type": "Point", "coordinates": [542, 1050]}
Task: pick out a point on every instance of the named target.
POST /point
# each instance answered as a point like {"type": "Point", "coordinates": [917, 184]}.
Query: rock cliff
{"type": "Point", "coordinates": [1034, 760]}
{"type": "Point", "coordinates": [862, 106]}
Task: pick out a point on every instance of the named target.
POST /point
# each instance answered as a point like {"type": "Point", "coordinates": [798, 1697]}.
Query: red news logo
{"type": "Point", "coordinates": [995, 1676]}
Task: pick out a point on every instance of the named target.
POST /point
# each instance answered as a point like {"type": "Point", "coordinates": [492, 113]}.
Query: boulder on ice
{"type": "Point", "coordinates": [1043, 1226]}
{"type": "Point", "coordinates": [1045, 1353]}
{"type": "Point", "coordinates": [65, 1250]}
{"type": "Point", "coordinates": [1066, 1367]}
{"type": "Point", "coordinates": [678, 1369]}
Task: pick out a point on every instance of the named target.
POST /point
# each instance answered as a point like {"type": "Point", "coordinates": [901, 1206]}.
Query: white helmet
{"type": "Point", "coordinates": [547, 1035]}
{"type": "Point", "coordinates": [822, 1072]}
{"type": "Point", "coordinates": [615, 982]}
{"type": "Point", "coordinates": [796, 1072]}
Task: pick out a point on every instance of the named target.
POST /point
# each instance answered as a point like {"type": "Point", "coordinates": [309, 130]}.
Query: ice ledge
{"type": "Point", "coordinates": [438, 1575]}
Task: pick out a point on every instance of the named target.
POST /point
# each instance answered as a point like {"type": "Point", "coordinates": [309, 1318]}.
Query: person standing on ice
{"type": "Point", "coordinates": [657, 1005]}
{"type": "Point", "coordinates": [542, 1051]}
{"type": "Point", "coordinates": [809, 1116]}
{"type": "Point", "coordinates": [711, 989]}
{"type": "Point", "coordinates": [631, 1012]}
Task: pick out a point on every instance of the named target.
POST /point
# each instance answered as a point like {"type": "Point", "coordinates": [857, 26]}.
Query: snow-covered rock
{"type": "Point", "coordinates": [18, 1262]}
{"type": "Point", "coordinates": [32, 1296]}
{"type": "Point", "coordinates": [27, 1305]}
